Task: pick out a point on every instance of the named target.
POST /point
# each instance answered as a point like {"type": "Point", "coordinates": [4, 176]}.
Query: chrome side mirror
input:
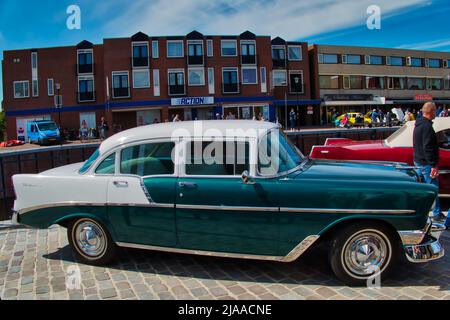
{"type": "Point", "coordinates": [246, 178]}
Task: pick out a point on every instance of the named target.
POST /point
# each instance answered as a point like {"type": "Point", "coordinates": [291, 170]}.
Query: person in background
{"type": "Point", "coordinates": [104, 129]}
{"type": "Point", "coordinates": [426, 154]}
{"type": "Point", "coordinates": [407, 116]}
{"type": "Point", "coordinates": [84, 131]}
{"type": "Point", "coordinates": [374, 116]}
{"type": "Point", "coordinates": [388, 118]}
{"type": "Point", "coordinates": [419, 114]}
{"type": "Point", "coordinates": [292, 119]}
{"type": "Point", "coordinates": [438, 111]}
{"type": "Point", "coordinates": [176, 118]}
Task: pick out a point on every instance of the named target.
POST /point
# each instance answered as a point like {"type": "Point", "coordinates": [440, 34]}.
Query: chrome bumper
{"type": "Point", "coordinates": [423, 246]}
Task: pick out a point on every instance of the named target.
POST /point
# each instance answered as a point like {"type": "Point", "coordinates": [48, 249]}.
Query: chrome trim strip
{"type": "Point", "coordinates": [444, 195]}
{"type": "Point", "coordinates": [352, 211]}
{"type": "Point", "coordinates": [291, 256]}
{"type": "Point", "coordinates": [226, 208]}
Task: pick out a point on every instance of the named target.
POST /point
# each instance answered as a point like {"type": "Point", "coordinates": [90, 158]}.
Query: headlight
{"type": "Point", "coordinates": [43, 134]}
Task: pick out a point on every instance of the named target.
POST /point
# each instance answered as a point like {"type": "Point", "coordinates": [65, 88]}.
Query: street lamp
{"type": "Point", "coordinates": [58, 105]}
{"type": "Point", "coordinates": [297, 84]}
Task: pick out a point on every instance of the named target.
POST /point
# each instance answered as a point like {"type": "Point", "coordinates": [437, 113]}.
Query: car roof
{"type": "Point", "coordinates": [42, 121]}
{"type": "Point", "coordinates": [207, 129]}
{"type": "Point", "coordinates": [404, 138]}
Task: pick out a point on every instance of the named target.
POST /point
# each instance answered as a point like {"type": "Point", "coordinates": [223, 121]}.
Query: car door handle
{"type": "Point", "coordinates": [187, 185]}
{"type": "Point", "coordinates": [121, 184]}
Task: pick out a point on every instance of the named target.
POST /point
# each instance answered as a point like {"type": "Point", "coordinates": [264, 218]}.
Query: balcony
{"type": "Point", "coordinates": [279, 63]}
{"type": "Point", "coordinates": [248, 59]}
{"type": "Point", "coordinates": [230, 88]}
{"type": "Point", "coordinates": [140, 61]}
{"type": "Point", "coordinates": [176, 90]}
{"type": "Point", "coordinates": [195, 60]}
{"type": "Point", "coordinates": [85, 68]}
{"type": "Point", "coordinates": [121, 92]}
{"type": "Point", "coordinates": [86, 96]}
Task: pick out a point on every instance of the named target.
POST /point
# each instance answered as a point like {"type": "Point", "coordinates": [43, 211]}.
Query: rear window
{"type": "Point", "coordinates": [89, 162]}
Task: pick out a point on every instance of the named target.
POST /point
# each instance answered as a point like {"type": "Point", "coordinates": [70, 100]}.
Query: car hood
{"type": "Point", "coordinates": [352, 170]}
{"type": "Point", "coordinates": [71, 169]}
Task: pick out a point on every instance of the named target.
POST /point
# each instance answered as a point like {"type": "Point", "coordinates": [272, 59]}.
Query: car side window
{"type": "Point", "coordinates": [107, 166]}
{"type": "Point", "coordinates": [217, 158]}
{"type": "Point", "coordinates": [148, 159]}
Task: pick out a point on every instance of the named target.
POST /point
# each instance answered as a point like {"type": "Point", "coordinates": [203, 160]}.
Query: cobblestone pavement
{"type": "Point", "coordinates": [38, 264]}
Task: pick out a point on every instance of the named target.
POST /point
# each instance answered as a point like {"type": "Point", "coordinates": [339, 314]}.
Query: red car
{"type": "Point", "coordinates": [396, 148]}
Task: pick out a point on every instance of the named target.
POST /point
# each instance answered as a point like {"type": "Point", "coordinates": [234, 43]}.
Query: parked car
{"type": "Point", "coordinates": [396, 148]}
{"type": "Point", "coordinates": [43, 132]}
{"type": "Point", "coordinates": [169, 187]}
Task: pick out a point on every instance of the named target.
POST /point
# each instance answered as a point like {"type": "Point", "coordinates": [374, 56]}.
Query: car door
{"type": "Point", "coordinates": [215, 210]}
{"type": "Point", "coordinates": [141, 196]}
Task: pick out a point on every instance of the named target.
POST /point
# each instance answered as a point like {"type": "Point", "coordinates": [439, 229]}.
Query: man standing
{"type": "Point", "coordinates": [292, 119]}
{"type": "Point", "coordinates": [426, 153]}
{"type": "Point", "coordinates": [104, 128]}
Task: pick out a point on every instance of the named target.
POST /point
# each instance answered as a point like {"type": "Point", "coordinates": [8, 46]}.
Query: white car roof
{"type": "Point", "coordinates": [207, 129]}
{"type": "Point", "coordinates": [403, 137]}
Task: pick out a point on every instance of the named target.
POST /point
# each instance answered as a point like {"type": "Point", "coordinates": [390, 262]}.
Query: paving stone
{"type": "Point", "coordinates": [108, 293]}
{"type": "Point", "coordinates": [125, 294]}
{"type": "Point", "coordinates": [9, 293]}
{"type": "Point", "coordinates": [102, 276]}
{"type": "Point", "coordinates": [42, 290]}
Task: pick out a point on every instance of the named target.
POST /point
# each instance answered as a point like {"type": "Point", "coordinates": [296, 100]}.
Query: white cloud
{"type": "Point", "coordinates": [291, 19]}
{"type": "Point", "coordinates": [427, 45]}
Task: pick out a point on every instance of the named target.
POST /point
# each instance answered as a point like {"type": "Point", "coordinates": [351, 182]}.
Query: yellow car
{"type": "Point", "coordinates": [352, 118]}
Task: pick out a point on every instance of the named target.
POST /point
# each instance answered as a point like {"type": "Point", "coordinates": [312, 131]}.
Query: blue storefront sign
{"type": "Point", "coordinates": [192, 101]}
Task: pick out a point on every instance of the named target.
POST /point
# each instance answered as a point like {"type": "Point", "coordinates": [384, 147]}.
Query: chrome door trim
{"type": "Point", "coordinates": [348, 211]}
{"type": "Point", "coordinates": [444, 195]}
{"type": "Point", "coordinates": [225, 208]}
{"type": "Point", "coordinates": [291, 256]}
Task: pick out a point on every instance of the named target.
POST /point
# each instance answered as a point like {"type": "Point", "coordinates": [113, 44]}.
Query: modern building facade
{"type": "Point", "coordinates": [140, 80]}
{"type": "Point", "coordinates": [360, 78]}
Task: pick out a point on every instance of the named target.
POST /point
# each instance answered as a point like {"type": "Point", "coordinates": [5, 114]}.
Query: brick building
{"type": "Point", "coordinates": [139, 80]}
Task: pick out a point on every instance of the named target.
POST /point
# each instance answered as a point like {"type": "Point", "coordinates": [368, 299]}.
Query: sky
{"type": "Point", "coordinates": [414, 24]}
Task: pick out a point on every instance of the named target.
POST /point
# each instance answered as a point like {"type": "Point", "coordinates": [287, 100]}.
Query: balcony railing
{"type": "Point", "coordinates": [195, 60]}
{"type": "Point", "coordinates": [279, 63]}
{"type": "Point", "coordinates": [230, 88]}
{"type": "Point", "coordinates": [86, 96]}
{"type": "Point", "coordinates": [176, 90]}
{"type": "Point", "coordinates": [248, 59]}
{"type": "Point", "coordinates": [121, 92]}
{"type": "Point", "coordinates": [85, 68]}
{"type": "Point", "coordinates": [140, 61]}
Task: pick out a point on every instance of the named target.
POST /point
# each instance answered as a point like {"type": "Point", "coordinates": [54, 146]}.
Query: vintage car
{"type": "Point", "coordinates": [234, 189]}
{"type": "Point", "coordinates": [353, 121]}
{"type": "Point", "coordinates": [396, 148]}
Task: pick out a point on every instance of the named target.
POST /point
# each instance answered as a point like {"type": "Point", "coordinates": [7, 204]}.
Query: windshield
{"type": "Point", "coordinates": [277, 154]}
{"type": "Point", "coordinates": [396, 134]}
{"type": "Point", "coordinates": [48, 126]}
{"type": "Point", "coordinates": [89, 162]}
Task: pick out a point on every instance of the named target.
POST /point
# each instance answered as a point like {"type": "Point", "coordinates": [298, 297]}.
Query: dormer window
{"type": "Point", "coordinates": [195, 52]}
{"type": "Point", "coordinates": [279, 56]}
{"type": "Point", "coordinates": [140, 54]}
{"type": "Point", "coordinates": [85, 61]}
{"type": "Point", "coordinates": [248, 52]}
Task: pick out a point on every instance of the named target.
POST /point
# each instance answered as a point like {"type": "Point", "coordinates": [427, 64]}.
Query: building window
{"type": "Point", "coordinates": [229, 48]}
{"type": "Point", "coordinates": [85, 61]}
{"type": "Point", "coordinates": [353, 82]}
{"type": "Point", "coordinates": [396, 83]}
{"type": "Point", "coordinates": [176, 82]}
{"type": "Point", "coordinates": [21, 89]}
{"type": "Point", "coordinates": [263, 75]}
{"type": "Point", "coordinates": [230, 80]}
{"type": "Point", "coordinates": [50, 87]}
{"type": "Point", "coordinates": [296, 82]}
{"type": "Point", "coordinates": [279, 56]}
{"type": "Point", "coordinates": [248, 52]}
{"type": "Point", "coordinates": [279, 78]}
{"type": "Point", "coordinates": [375, 83]}
{"type": "Point", "coordinates": [210, 48]}
{"type": "Point", "coordinates": [155, 49]}
{"type": "Point", "coordinates": [156, 86]}
{"type": "Point", "coordinates": [376, 60]}
{"type": "Point", "coordinates": [351, 59]}
{"type": "Point", "coordinates": [121, 87]}
{"type": "Point", "coordinates": [434, 63]}
{"type": "Point", "coordinates": [395, 61]}
{"type": "Point", "coordinates": [434, 84]}
{"type": "Point", "coordinates": [195, 52]}
{"type": "Point", "coordinates": [447, 84]}
{"type": "Point", "coordinates": [416, 62]}
{"type": "Point", "coordinates": [416, 84]}
{"type": "Point", "coordinates": [329, 58]}
{"type": "Point", "coordinates": [86, 89]}
{"type": "Point", "coordinates": [175, 49]}
{"type": "Point", "coordinates": [329, 82]}
{"type": "Point", "coordinates": [211, 85]}
{"type": "Point", "coordinates": [196, 77]}
{"type": "Point", "coordinates": [141, 79]}
{"type": "Point", "coordinates": [140, 54]}
{"type": "Point", "coordinates": [249, 76]}
{"type": "Point", "coordinates": [34, 60]}
{"type": "Point", "coordinates": [35, 88]}
{"type": "Point", "coordinates": [34, 74]}
{"type": "Point", "coordinates": [295, 53]}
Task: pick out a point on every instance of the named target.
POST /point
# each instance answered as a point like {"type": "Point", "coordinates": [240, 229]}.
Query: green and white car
{"type": "Point", "coordinates": [235, 189]}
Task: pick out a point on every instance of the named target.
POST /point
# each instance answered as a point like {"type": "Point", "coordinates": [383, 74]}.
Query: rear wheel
{"type": "Point", "coordinates": [91, 241]}
{"type": "Point", "coordinates": [363, 251]}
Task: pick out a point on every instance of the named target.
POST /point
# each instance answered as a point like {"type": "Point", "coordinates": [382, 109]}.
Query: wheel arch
{"type": "Point", "coordinates": [66, 220]}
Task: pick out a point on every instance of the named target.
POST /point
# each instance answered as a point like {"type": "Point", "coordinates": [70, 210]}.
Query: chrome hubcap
{"type": "Point", "coordinates": [90, 238]}
{"type": "Point", "coordinates": [366, 254]}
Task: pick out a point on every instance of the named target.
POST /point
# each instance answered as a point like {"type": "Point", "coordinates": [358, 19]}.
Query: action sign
{"type": "Point", "coordinates": [192, 101]}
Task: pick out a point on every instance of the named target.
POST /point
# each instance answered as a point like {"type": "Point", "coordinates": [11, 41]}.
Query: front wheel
{"type": "Point", "coordinates": [363, 252]}
{"type": "Point", "coordinates": [91, 241]}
